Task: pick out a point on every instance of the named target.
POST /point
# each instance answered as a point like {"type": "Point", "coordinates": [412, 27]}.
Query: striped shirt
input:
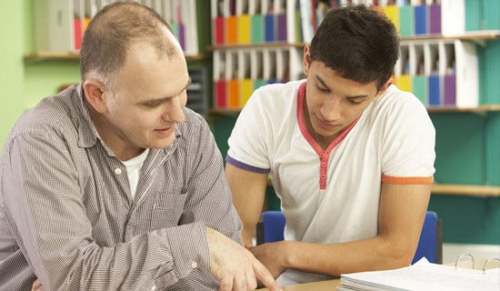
{"type": "Point", "coordinates": [67, 215]}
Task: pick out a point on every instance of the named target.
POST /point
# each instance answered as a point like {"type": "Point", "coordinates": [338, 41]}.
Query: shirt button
{"type": "Point", "coordinates": [194, 265]}
{"type": "Point", "coordinates": [118, 171]}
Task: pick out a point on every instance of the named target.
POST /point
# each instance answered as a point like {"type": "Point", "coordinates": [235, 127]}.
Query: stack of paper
{"type": "Point", "coordinates": [423, 276]}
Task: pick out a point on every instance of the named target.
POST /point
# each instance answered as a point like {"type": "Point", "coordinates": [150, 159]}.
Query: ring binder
{"type": "Point", "coordinates": [486, 263]}
{"type": "Point", "coordinates": [468, 255]}
{"type": "Point", "coordinates": [437, 278]}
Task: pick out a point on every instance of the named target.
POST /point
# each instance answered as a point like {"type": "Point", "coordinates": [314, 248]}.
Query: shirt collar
{"type": "Point", "coordinates": [87, 133]}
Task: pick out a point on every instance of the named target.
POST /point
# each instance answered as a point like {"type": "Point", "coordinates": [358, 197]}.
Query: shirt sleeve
{"type": "Point", "coordinates": [249, 143]}
{"type": "Point", "coordinates": [408, 152]}
{"type": "Point", "coordinates": [45, 208]}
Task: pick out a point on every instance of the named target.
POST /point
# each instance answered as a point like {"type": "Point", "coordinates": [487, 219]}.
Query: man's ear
{"type": "Point", "coordinates": [94, 94]}
{"type": "Point", "coordinates": [307, 59]}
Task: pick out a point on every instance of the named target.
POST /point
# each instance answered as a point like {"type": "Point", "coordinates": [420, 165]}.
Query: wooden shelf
{"type": "Point", "coordinates": [52, 56]}
{"type": "Point", "coordinates": [75, 56]}
{"type": "Point", "coordinates": [479, 109]}
{"type": "Point", "coordinates": [455, 190]}
{"type": "Point", "coordinates": [466, 190]}
{"type": "Point", "coordinates": [257, 46]}
{"type": "Point", "coordinates": [481, 35]}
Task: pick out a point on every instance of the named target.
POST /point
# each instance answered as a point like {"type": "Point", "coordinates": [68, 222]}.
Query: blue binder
{"type": "Point", "coordinates": [269, 28]}
{"type": "Point", "coordinates": [421, 20]}
{"type": "Point", "coordinates": [434, 91]}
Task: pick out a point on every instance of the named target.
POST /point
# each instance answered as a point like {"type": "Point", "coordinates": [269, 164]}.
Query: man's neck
{"type": "Point", "coordinates": [120, 148]}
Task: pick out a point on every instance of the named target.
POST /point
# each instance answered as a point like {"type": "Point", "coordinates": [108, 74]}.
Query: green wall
{"type": "Point", "coordinates": [22, 83]}
{"type": "Point", "coordinates": [11, 78]}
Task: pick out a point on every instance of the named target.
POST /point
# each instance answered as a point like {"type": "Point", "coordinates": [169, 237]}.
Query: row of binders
{"type": "Point", "coordinates": [237, 73]}
{"type": "Point", "coordinates": [261, 21]}
{"type": "Point", "coordinates": [61, 24]}
{"type": "Point", "coordinates": [422, 17]}
{"type": "Point", "coordinates": [440, 73]}
{"type": "Point", "coordinates": [239, 22]}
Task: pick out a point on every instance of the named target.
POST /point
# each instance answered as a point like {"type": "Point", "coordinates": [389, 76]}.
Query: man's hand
{"type": "Point", "coordinates": [234, 266]}
{"type": "Point", "coordinates": [272, 256]}
{"type": "Point", "coordinates": [37, 286]}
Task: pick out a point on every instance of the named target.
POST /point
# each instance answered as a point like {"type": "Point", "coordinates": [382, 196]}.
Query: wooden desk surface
{"type": "Point", "coordinates": [328, 285]}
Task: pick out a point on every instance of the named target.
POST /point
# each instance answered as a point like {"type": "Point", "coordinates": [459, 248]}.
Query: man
{"type": "Point", "coordinates": [350, 156]}
{"type": "Point", "coordinates": [114, 185]}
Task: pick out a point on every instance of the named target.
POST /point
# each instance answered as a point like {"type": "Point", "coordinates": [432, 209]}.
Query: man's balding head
{"type": "Point", "coordinates": [115, 29]}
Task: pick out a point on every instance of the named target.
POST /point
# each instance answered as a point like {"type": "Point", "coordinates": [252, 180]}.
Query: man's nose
{"type": "Point", "coordinates": [174, 111]}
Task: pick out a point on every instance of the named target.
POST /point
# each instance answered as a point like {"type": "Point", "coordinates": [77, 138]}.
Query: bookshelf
{"type": "Point", "coordinates": [467, 136]}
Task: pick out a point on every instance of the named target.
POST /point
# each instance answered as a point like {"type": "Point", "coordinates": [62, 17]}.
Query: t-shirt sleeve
{"type": "Point", "coordinates": [250, 138]}
{"type": "Point", "coordinates": [408, 152]}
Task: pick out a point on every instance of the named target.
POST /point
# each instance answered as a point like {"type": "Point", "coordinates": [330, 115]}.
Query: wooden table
{"type": "Point", "coordinates": [328, 285]}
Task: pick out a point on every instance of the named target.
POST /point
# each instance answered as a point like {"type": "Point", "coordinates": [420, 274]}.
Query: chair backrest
{"type": "Point", "coordinates": [271, 227]}
{"type": "Point", "coordinates": [430, 244]}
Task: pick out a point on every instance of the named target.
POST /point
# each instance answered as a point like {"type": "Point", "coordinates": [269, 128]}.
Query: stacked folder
{"type": "Point", "coordinates": [239, 72]}
{"type": "Point", "coordinates": [439, 73]}
{"type": "Point", "coordinates": [61, 24]}
{"type": "Point", "coordinates": [420, 17]}
{"type": "Point", "coordinates": [240, 22]}
{"type": "Point", "coordinates": [423, 276]}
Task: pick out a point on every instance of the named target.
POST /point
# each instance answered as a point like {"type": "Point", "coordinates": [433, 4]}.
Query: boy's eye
{"type": "Point", "coordinates": [323, 89]}
{"type": "Point", "coordinates": [356, 101]}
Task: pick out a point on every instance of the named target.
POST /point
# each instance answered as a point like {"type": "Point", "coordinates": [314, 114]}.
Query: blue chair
{"type": "Point", "coordinates": [430, 244]}
{"type": "Point", "coordinates": [271, 227]}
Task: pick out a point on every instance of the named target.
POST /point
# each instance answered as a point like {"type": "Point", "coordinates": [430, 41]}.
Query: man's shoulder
{"type": "Point", "coordinates": [51, 114]}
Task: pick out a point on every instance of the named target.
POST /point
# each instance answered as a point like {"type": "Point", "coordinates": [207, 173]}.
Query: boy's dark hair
{"type": "Point", "coordinates": [359, 43]}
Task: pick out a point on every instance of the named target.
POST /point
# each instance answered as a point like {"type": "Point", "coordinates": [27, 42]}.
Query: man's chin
{"type": "Point", "coordinates": [162, 143]}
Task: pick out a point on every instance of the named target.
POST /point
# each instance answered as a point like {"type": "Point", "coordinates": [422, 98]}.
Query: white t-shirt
{"type": "Point", "coordinates": [332, 195]}
{"type": "Point", "coordinates": [133, 167]}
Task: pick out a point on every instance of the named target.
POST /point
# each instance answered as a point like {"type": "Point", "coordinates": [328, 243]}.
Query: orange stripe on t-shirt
{"type": "Point", "coordinates": [407, 180]}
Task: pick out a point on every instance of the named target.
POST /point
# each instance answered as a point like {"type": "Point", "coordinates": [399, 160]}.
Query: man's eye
{"type": "Point", "coordinates": [152, 105]}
